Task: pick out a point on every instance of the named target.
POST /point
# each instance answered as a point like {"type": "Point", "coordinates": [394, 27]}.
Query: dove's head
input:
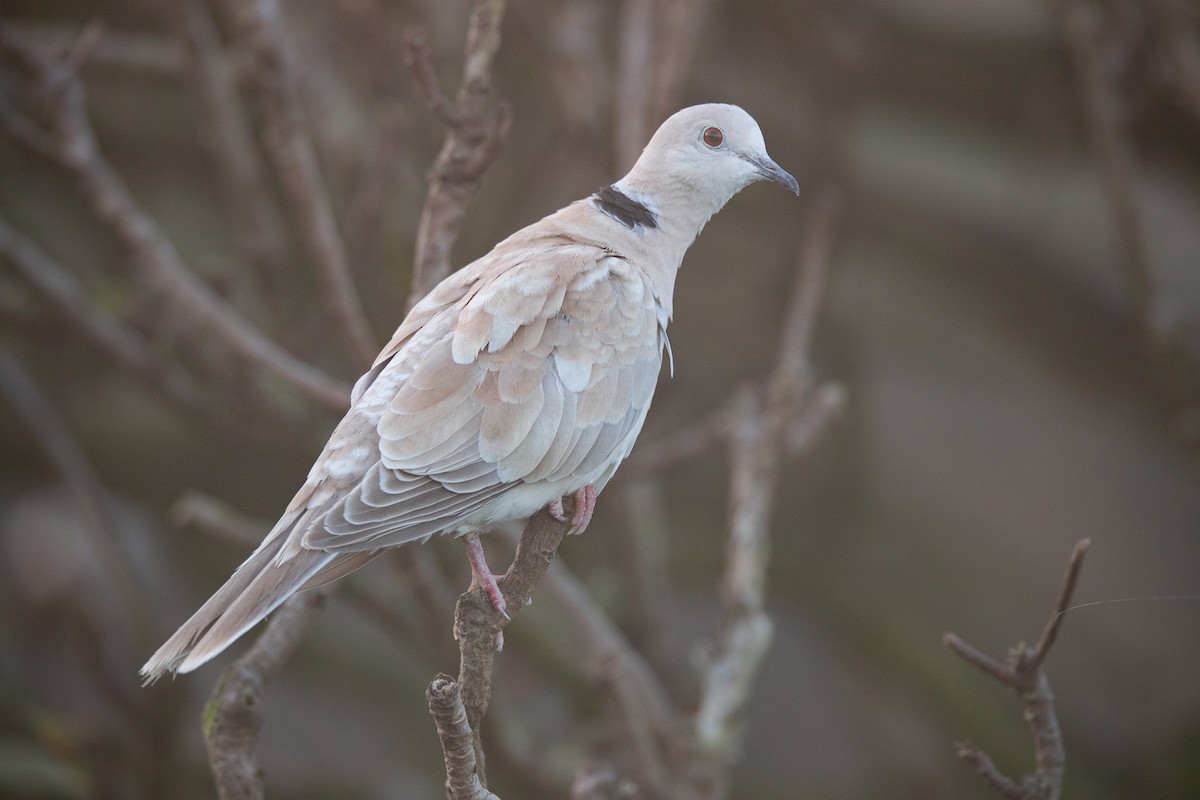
{"type": "Point", "coordinates": [706, 153]}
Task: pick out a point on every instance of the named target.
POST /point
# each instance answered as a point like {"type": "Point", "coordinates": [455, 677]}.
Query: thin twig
{"type": "Point", "coordinates": [290, 149]}
{"type": "Point", "coordinates": [233, 716]}
{"type": "Point", "coordinates": [475, 130]}
{"type": "Point", "coordinates": [1050, 632]}
{"type": "Point", "coordinates": [1022, 673]}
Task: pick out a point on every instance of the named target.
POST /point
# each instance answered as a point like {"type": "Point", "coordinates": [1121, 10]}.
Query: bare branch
{"type": "Point", "coordinates": [233, 716]}
{"type": "Point", "coordinates": [446, 706]}
{"type": "Point", "coordinates": [1022, 673]}
{"type": "Point", "coordinates": [472, 142]}
{"type": "Point", "coordinates": [809, 287]}
{"type": "Point", "coordinates": [477, 622]}
{"type": "Point", "coordinates": [291, 150]}
{"type": "Point", "coordinates": [987, 770]}
{"type": "Point", "coordinates": [746, 629]}
{"type": "Point", "coordinates": [1050, 632]}
{"type": "Point", "coordinates": [420, 62]}
{"type": "Point", "coordinates": [757, 445]}
{"type": "Point", "coordinates": [73, 145]}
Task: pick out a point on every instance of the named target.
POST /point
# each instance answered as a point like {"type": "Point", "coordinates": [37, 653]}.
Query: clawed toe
{"type": "Point", "coordinates": [581, 517]}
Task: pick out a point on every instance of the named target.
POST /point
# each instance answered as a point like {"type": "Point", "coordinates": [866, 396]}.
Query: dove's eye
{"type": "Point", "coordinates": [713, 137]}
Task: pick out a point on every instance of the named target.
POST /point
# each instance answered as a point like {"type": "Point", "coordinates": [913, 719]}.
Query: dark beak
{"type": "Point", "coordinates": [771, 171]}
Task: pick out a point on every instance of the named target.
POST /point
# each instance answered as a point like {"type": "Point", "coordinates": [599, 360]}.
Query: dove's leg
{"type": "Point", "coordinates": [481, 573]}
{"type": "Point", "coordinates": [585, 506]}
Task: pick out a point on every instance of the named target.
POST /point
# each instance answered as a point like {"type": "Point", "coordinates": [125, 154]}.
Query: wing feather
{"type": "Point", "coordinates": [542, 376]}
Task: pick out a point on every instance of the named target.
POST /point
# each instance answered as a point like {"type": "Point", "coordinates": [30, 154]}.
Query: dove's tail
{"type": "Point", "coordinates": [256, 589]}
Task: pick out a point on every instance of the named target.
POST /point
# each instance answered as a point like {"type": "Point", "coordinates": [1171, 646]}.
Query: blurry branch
{"type": "Point", "coordinates": [63, 294]}
{"type": "Point", "coordinates": [679, 445]}
{"type": "Point", "coordinates": [476, 129]}
{"type": "Point", "coordinates": [759, 442]}
{"type": "Point", "coordinates": [290, 148]}
{"type": "Point", "coordinates": [1179, 64]}
{"type": "Point", "coordinates": [69, 140]}
{"type": "Point", "coordinates": [216, 517]}
{"type": "Point", "coordinates": [654, 48]}
{"type": "Point", "coordinates": [233, 717]}
{"type": "Point", "coordinates": [252, 209]}
{"type": "Point", "coordinates": [1098, 61]}
{"type": "Point", "coordinates": [377, 174]}
{"type": "Point", "coordinates": [578, 69]}
{"type": "Point", "coordinates": [791, 384]}
{"type": "Point", "coordinates": [132, 52]}
{"type": "Point", "coordinates": [600, 781]}
{"type": "Point", "coordinates": [651, 726]}
{"type": "Point", "coordinates": [680, 24]}
{"type": "Point", "coordinates": [643, 552]}
{"type": "Point", "coordinates": [1101, 44]}
{"type": "Point", "coordinates": [631, 105]}
{"type": "Point", "coordinates": [85, 486]}
{"type": "Point", "coordinates": [1022, 673]}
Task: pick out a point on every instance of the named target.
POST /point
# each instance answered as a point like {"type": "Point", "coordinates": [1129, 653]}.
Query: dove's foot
{"type": "Point", "coordinates": [585, 506]}
{"type": "Point", "coordinates": [481, 574]}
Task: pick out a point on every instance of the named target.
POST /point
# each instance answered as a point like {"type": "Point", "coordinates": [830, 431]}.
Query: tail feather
{"type": "Point", "coordinates": [254, 590]}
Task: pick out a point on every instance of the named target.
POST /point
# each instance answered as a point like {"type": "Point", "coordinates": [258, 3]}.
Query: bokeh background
{"type": "Point", "coordinates": [1012, 310]}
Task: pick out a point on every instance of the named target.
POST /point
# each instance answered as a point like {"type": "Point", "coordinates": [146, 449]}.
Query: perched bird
{"type": "Point", "coordinates": [522, 378]}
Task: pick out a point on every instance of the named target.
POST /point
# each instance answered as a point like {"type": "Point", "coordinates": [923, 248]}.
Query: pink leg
{"type": "Point", "coordinates": [481, 574]}
{"type": "Point", "coordinates": [585, 506]}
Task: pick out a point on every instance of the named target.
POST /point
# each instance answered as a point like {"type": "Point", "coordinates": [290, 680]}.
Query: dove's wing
{"type": "Point", "coordinates": [538, 387]}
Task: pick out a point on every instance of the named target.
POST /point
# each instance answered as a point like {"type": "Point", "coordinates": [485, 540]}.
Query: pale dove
{"type": "Point", "coordinates": [522, 378]}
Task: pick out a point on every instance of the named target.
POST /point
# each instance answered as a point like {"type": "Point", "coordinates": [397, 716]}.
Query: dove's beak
{"type": "Point", "coordinates": [771, 171]}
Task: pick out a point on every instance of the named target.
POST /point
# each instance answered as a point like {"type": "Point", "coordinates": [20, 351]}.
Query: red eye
{"type": "Point", "coordinates": [713, 137]}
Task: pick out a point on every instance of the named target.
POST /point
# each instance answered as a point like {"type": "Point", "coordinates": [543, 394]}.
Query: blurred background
{"type": "Point", "coordinates": [1012, 311]}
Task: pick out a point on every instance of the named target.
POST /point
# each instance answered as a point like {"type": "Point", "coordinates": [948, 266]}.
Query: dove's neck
{"type": "Point", "coordinates": [670, 215]}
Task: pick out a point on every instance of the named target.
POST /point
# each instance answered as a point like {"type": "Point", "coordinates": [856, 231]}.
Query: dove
{"type": "Point", "coordinates": [521, 379]}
